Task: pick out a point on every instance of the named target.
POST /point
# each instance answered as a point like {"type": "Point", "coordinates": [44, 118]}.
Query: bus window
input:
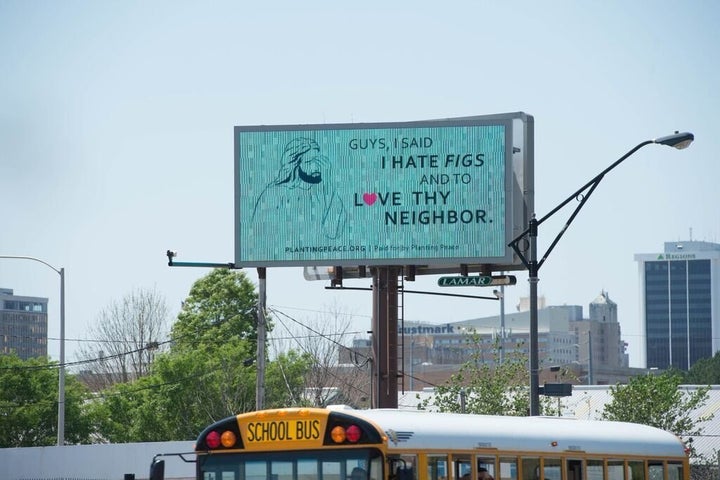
{"type": "Point", "coordinates": [219, 476]}
{"type": "Point", "coordinates": [462, 467]}
{"type": "Point", "coordinates": [403, 467]}
{"type": "Point", "coordinates": [307, 470]}
{"type": "Point", "coordinates": [655, 470]}
{"type": "Point", "coordinates": [508, 468]}
{"type": "Point", "coordinates": [616, 469]}
{"type": "Point", "coordinates": [254, 470]}
{"type": "Point", "coordinates": [437, 467]}
{"type": "Point", "coordinates": [486, 468]}
{"type": "Point", "coordinates": [552, 469]}
{"type": "Point", "coordinates": [530, 468]}
{"type": "Point", "coordinates": [594, 469]}
{"type": "Point", "coordinates": [574, 469]}
{"type": "Point", "coordinates": [331, 471]}
{"type": "Point", "coordinates": [375, 471]}
{"type": "Point", "coordinates": [675, 471]}
{"type": "Point", "coordinates": [637, 470]}
{"type": "Point", "coordinates": [281, 471]}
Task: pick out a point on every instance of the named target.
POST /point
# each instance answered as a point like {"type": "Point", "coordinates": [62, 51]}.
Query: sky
{"type": "Point", "coordinates": [116, 135]}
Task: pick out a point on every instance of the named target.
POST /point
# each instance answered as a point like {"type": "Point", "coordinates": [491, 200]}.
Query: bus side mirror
{"type": "Point", "coordinates": [157, 470]}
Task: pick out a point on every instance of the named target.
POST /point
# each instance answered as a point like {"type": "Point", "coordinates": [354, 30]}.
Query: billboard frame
{"type": "Point", "coordinates": [518, 196]}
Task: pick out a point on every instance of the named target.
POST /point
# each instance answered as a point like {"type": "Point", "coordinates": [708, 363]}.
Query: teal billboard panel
{"type": "Point", "coordinates": [433, 192]}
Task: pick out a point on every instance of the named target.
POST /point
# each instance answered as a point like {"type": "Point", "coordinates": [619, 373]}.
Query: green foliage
{"type": "Point", "coordinates": [221, 306]}
{"type": "Point", "coordinates": [115, 411]}
{"type": "Point", "coordinates": [28, 404]}
{"type": "Point", "coordinates": [705, 371]}
{"type": "Point", "coordinates": [285, 380]}
{"type": "Point", "coordinates": [208, 374]}
{"type": "Point", "coordinates": [655, 400]}
{"type": "Point", "coordinates": [488, 385]}
{"type": "Point", "coordinates": [186, 392]}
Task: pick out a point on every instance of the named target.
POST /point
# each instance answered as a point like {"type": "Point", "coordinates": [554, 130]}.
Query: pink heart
{"type": "Point", "coordinates": [369, 198]}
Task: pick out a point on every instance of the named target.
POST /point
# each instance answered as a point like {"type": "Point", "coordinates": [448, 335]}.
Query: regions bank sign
{"type": "Point", "coordinates": [416, 193]}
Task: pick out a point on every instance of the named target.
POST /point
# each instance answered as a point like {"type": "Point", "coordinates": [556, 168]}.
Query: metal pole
{"type": "Point", "coordinates": [61, 372]}
{"type": "Point", "coordinates": [677, 140]}
{"type": "Point", "coordinates": [412, 362]}
{"type": "Point", "coordinates": [534, 357]}
{"type": "Point", "coordinates": [502, 322]}
{"type": "Point", "coordinates": [590, 359]}
{"type": "Point", "coordinates": [260, 382]}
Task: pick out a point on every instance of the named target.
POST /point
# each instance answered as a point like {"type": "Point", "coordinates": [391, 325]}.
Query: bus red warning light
{"type": "Point", "coordinates": [213, 439]}
{"type": "Point", "coordinates": [353, 433]}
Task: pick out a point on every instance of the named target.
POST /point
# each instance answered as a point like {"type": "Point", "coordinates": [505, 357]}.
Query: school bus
{"type": "Point", "coordinates": [340, 443]}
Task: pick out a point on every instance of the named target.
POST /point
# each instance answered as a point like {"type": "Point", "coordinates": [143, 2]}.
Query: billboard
{"type": "Point", "coordinates": [439, 192]}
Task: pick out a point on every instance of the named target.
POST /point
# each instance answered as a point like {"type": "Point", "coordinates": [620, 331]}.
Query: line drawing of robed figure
{"type": "Point", "coordinates": [302, 192]}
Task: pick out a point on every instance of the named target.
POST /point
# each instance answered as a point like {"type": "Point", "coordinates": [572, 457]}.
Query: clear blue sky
{"type": "Point", "coordinates": [116, 132]}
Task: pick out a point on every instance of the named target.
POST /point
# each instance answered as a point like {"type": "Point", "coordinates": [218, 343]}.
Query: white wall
{"type": "Point", "coordinates": [94, 462]}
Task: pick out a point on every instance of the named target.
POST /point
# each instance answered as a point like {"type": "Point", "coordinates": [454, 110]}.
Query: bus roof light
{"type": "Point", "coordinates": [213, 439]}
{"type": "Point", "coordinates": [353, 433]}
{"type": "Point", "coordinates": [338, 434]}
{"type": "Point", "coordinates": [228, 439]}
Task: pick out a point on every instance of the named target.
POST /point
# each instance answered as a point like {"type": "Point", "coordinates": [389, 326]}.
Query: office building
{"type": "Point", "coordinates": [591, 348]}
{"type": "Point", "coordinates": [679, 293]}
{"type": "Point", "coordinates": [23, 325]}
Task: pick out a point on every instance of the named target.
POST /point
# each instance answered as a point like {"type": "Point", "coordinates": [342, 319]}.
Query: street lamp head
{"type": "Point", "coordinates": [677, 140]}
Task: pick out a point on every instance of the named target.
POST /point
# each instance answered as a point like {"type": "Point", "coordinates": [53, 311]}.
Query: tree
{"type": "Point", "coordinates": [657, 401]}
{"type": "Point", "coordinates": [286, 380]}
{"type": "Point", "coordinates": [705, 371]}
{"type": "Point", "coordinates": [221, 306]}
{"type": "Point", "coordinates": [29, 408]}
{"type": "Point", "coordinates": [127, 331]}
{"type": "Point", "coordinates": [207, 374]}
{"type": "Point", "coordinates": [487, 386]}
{"type": "Point", "coordinates": [321, 341]}
{"type": "Point", "coordinates": [186, 391]}
{"type": "Point", "coordinates": [190, 389]}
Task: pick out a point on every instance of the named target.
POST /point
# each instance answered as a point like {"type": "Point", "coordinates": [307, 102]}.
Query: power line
{"type": "Point", "coordinates": [319, 334]}
{"type": "Point", "coordinates": [328, 371]}
{"type": "Point", "coordinates": [149, 346]}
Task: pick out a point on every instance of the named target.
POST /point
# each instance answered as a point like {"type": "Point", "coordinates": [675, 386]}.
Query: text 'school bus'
{"type": "Point", "coordinates": [339, 443]}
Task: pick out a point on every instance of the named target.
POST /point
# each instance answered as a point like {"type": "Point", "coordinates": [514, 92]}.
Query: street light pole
{"type": "Point", "coordinates": [61, 371]}
{"type": "Point", "coordinates": [676, 140]}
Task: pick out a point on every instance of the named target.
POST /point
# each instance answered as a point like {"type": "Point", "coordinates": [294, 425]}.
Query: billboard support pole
{"type": "Point", "coordinates": [261, 335]}
{"type": "Point", "coordinates": [385, 336]}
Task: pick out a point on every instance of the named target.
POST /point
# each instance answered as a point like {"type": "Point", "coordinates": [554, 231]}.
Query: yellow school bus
{"type": "Point", "coordinates": [339, 443]}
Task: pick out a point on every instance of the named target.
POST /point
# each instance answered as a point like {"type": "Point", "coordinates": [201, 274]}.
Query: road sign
{"type": "Point", "coordinates": [556, 390]}
{"type": "Point", "coordinates": [476, 281]}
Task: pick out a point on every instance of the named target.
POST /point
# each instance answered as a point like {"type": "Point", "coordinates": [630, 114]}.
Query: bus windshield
{"type": "Point", "coordinates": [355, 464]}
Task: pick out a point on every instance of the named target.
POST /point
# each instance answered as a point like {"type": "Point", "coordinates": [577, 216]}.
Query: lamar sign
{"type": "Point", "coordinates": [476, 281]}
